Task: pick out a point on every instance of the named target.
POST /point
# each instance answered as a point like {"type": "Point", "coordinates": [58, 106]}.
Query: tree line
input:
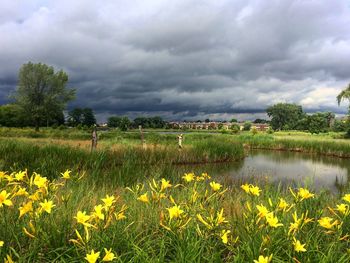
{"type": "Point", "coordinates": [287, 116]}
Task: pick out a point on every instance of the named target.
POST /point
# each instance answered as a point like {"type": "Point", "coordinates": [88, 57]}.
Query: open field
{"type": "Point", "coordinates": [108, 199]}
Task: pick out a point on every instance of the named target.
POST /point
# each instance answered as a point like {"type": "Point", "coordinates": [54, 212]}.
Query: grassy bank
{"type": "Point", "coordinates": [313, 146]}
{"type": "Point", "coordinates": [123, 163]}
{"type": "Point", "coordinates": [192, 220]}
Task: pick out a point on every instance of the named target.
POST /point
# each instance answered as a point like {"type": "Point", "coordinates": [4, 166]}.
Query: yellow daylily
{"type": "Point", "coordinates": [47, 206]}
{"type": "Point", "coordinates": [83, 218]}
{"type": "Point", "coordinates": [2, 243]}
{"type": "Point", "coordinates": [263, 211]}
{"type": "Point", "coordinates": [343, 208]}
{"type": "Point", "coordinates": [4, 199]}
{"type": "Point", "coordinates": [346, 198]}
{"type": "Point", "coordinates": [326, 222]}
{"type": "Point", "coordinates": [305, 194]}
{"type": "Point", "coordinates": [272, 220]}
{"type": "Point", "coordinates": [143, 198]}
{"type": "Point", "coordinates": [298, 247]}
{"type": "Point", "coordinates": [188, 177]}
{"type": "Point", "coordinates": [39, 181]}
{"type": "Point", "coordinates": [215, 186]}
{"type": "Point", "coordinates": [109, 255]}
{"type": "Point", "coordinates": [26, 208]}
{"type": "Point", "coordinates": [92, 257]}
{"type": "Point", "coordinates": [108, 201]}
{"type": "Point", "coordinates": [175, 211]}
{"type": "Point", "coordinates": [66, 174]}
{"type": "Point", "coordinates": [165, 184]}
{"type": "Point", "coordinates": [224, 236]}
{"type": "Point", "coordinates": [98, 212]}
{"type": "Point", "coordinates": [263, 259]}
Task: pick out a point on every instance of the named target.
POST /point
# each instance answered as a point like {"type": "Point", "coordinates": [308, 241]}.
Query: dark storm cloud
{"type": "Point", "coordinates": [183, 59]}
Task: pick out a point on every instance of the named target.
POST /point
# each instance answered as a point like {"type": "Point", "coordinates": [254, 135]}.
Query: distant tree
{"type": "Point", "coordinates": [319, 122]}
{"type": "Point", "coordinates": [88, 117]}
{"type": "Point", "coordinates": [42, 91]}
{"type": "Point", "coordinates": [114, 121]}
{"type": "Point", "coordinates": [82, 117]}
{"type": "Point", "coordinates": [220, 126]}
{"type": "Point", "coordinates": [75, 117]}
{"type": "Point", "coordinates": [260, 121]}
{"type": "Point", "coordinates": [12, 115]}
{"type": "Point", "coordinates": [247, 125]}
{"type": "Point", "coordinates": [198, 121]}
{"type": "Point", "coordinates": [233, 121]}
{"type": "Point", "coordinates": [125, 123]}
{"type": "Point", "coordinates": [284, 115]}
{"type": "Point", "coordinates": [340, 126]}
{"type": "Point", "coordinates": [206, 120]}
{"type": "Point", "coordinates": [235, 128]}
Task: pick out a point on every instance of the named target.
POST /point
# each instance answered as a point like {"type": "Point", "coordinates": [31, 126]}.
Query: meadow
{"type": "Point", "coordinates": [125, 202]}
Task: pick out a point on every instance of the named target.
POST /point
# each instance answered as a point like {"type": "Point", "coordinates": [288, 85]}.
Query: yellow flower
{"type": "Point", "coordinates": [83, 218]}
{"type": "Point", "coordinates": [98, 212]}
{"type": "Point", "coordinates": [246, 188]}
{"type": "Point", "coordinates": [215, 186]}
{"type": "Point", "coordinates": [220, 219]}
{"type": "Point", "coordinates": [326, 222]}
{"type": "Point", "coordinates": [4, 199]}
{"type": "Point", "coordinates": [343, 208]}
{"type": "Point", "coordinates": [21, 191]}
{"type": "Point", "coordinates": [108, 201]}
{"type": "Point", "coordinates": [66, 174]}
{"type": "Point", "coordinates": [119, 216]}
{"type": "Point", "coordinates": [143, 198]}
{"type": "Point", "coordinates": [8, 259]}
{"type": "Point", "coordinates": [272, 220]}
{"type": "Point", "coordinates": [188, 177]}
{"type": "Point", "coordinates": [47, 206]}
{"type": "Point", "coordinates": [263, 211]}
{"type": "Point", "coordinates": [346, 198]}
{"type": "Point", "coordinates": [165, 184]}
{"type": "Point", "coordinates": [26, 208]}
{"type": "Point", "coordinates": [20, 175]}
{"type": "Point", "coordinates": [305, 194]}
{"type": "Point", "coordinates": [92, 257]}
{"type": "Point", "coordinates": [298, 247]}
{"type": "Point", "coordinates": [254, 190]}
{"type": "Point", "coordinates": [1, 243]}
{"type": "Point", "coordinates": [39, 181]}
{"type": "Point", "coordinates": [283, 205]}
{"type": "Point", "coordinates": [175, 211]}
{"type": "Point", "coordinates": [224, 236]}
{"type": "Point", "coordinates": [109, 255]}
{"type": "Point", "coordinates": [263, 259]}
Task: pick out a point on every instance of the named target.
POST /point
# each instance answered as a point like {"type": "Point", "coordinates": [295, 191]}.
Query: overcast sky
{"type": "Point", "coordinates": [183, 59]}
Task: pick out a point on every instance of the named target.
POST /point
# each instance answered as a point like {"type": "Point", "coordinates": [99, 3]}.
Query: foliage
{"type": "Point", "coordinates": [319, 122]}
{"type": "Point", "coordinates": [233, 121]}
{"type": "Point", "coordinates": [42, 92]}
{"type": "Point", "coordinates": [81, 116]}
{"type": "Point", "coordinates": [12, 115]}
{"type": "Point", "coordinates": [235, 128]}
{"type": "Point", "coordinates": [285, 116]}
{"type": "Point", "coordinates": [247, 126]}
{"type": "Point", "coordinates": [113, 121]}
{"type": "Point", "coordinates": [124, 124]}
{"type": "Point", "coordinates": [155, 122]}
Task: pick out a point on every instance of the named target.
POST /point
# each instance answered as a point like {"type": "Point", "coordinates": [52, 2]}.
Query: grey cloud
{"type": "Point", "coordinates": [183, 59]}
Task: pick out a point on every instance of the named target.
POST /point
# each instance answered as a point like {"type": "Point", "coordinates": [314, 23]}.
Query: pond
{"type": "Point", "coordinates": [292, 168]}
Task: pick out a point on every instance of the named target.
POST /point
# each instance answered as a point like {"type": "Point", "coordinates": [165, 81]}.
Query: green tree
{"type": "Point", "coordinates": [125, 123]}
{"type": "Point", "coordinates": [247, 125]}
{"type": "Point", "coordinates": [113, 121]}
{"type": "Point", "coordinates": [75, 117]}
{"type": "Point", "coordinates": [12, 115]}
{"type": "Point", "coordinates": [344, 95]}
{"type": "Point", "coordinates": [233, 121]}
{"type": "Point", "coordinates": [88, 117]}
{"type": "Point", "coordinates": [42, 91]}
{"type": "Point", "coordinates": [285, 115]}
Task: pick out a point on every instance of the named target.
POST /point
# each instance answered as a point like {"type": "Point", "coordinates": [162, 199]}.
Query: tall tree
{"type": "Point", "coordinates": [88, 118]}
{"type": "Point", "coordinates": [41, 91]}
{"type": "Point", "coordinates": [285, 116]}
{"type": "Point", "coordinates": [344, 94]}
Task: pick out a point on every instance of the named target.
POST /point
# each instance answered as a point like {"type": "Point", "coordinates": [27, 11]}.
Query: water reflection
{"type": "Point", "coordinates": [317, 172]}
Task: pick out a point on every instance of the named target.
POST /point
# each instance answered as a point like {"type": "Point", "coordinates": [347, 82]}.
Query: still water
{"type": "Point", "coordinates": [281, 167]}
{"type": "Point", "coordinates": [317, 172]}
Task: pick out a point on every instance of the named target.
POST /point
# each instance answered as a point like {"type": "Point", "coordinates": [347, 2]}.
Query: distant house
{"type": "Point", "coordinates": [214, 125]}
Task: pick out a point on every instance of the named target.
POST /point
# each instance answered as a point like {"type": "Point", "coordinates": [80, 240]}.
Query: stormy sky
{"type": "Point", "coordinates": [183, 59]}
